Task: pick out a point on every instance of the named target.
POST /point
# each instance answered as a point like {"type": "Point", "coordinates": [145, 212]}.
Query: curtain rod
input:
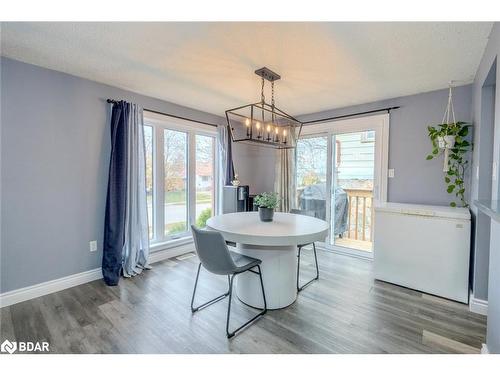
{"type": "Point", "coordinates": [113, 101]}
{"type": "Point", "coordinates": [388, 109]}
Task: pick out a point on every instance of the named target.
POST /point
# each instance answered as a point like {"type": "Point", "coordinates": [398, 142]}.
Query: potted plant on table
{"type": "Point", "coordinates": [267, 203]}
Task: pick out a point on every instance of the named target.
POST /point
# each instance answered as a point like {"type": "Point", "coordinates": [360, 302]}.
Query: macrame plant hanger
{"type": "Point", "coordinates": [448, 142]}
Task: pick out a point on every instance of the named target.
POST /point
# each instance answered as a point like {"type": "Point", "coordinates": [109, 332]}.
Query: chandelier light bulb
{"type": "Point", "coordinates": [259, 134]}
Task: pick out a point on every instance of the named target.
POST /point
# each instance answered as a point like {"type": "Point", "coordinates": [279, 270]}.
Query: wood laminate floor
{"type": "Point", "coordinates": [346, 311]}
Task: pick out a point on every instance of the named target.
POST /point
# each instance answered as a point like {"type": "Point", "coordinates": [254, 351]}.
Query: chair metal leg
{"type": "Point", "coordinates": [206, 304]}
{"type": "Point", "coordinates": [298, 267]}
{"type": "Point", "coordinates": [231, 334]}
{"type": "Point", "coordinates": [316, 261]}
{"type": "Point", "coordinates": [300, 288]}
{"type": "Point", "coordinates": [262, 286]}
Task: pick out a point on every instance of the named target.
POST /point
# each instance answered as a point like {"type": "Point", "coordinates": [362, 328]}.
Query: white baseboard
{"type": "Point", "coordinates": [359, 254]}
{"type": "Point", "coordinates": [478, 306]}
{"type": "Point", "coordinates": [484, 349]}
{"type": "Point", "coordinates": [23, 294]}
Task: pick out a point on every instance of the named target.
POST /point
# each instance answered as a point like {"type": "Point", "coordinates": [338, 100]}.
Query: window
{"type": "Point", "coordinates": [205, 148]}
{"type": "Point", "coordinates": [180, 175]}
{"type": "Point", "coordinates": [175, 175]}
{"type": "Point", "coordinates": [148, 144]}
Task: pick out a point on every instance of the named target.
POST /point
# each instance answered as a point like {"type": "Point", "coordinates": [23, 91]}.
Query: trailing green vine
{"type": "Point", "coordinates": [458, 163]}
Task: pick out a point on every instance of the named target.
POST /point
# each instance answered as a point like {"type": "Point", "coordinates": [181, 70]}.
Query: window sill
{"type": "Point", "coordinates": [170, 244]}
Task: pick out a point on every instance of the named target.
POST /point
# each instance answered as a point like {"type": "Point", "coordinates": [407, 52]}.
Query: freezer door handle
{"type": "Point", "coordinates": [418, 212]}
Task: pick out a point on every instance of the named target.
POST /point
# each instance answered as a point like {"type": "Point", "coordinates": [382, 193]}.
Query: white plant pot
{"type": "Point", "coordinates": [448, 141]}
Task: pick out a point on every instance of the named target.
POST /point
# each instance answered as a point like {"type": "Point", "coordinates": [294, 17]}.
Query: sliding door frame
{"type": "Point", "coordinates": [379, 123]}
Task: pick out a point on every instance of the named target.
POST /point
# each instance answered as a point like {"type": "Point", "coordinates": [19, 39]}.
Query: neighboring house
{"type": "Point", "coordinates": [204, 175]}
{"type": "Point", "coordinates": [354, 157]}
{"type": "Point", "coordinates": [355, 160]}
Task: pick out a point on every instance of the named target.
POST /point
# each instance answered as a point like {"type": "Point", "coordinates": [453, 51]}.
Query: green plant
{"type": "Point", "coordinates": [177, 227]}
{"type": "Point", "coordinates": [267, 200]}
{"type": "Point", "coordinates": [206, 214]}
{"type": "Point", "coordinates": [455, 175]}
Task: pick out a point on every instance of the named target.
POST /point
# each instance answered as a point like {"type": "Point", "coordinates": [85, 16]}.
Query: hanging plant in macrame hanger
{"type": "Point", "coordinates": [449, 139]}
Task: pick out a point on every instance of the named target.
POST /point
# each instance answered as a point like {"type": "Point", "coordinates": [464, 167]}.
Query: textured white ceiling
{"type": "Point", "coordinates": [209, 66]}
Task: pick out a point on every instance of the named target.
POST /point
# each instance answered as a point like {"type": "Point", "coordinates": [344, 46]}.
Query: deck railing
{"type": "Point", "coordinates": [360, 217]}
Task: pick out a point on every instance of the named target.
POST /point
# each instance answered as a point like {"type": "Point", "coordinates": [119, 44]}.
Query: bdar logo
{"type": "Point", "coordinates": [8, 347]}
{"type": "Point", "coordinates": [24, 346]}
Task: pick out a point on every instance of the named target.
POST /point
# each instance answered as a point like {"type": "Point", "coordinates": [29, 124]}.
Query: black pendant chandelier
{"type": "Point", "coordinates": [262, 123]}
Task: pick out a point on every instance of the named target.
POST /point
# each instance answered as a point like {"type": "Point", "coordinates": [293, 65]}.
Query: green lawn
{"type": "Point", "coordinates": [180, 196]}
{"type": "Point", "coordinates": [180, 227]}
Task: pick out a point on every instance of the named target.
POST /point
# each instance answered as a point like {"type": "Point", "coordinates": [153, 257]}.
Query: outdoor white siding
{"type": "Point", "coordinates": [356, 157]}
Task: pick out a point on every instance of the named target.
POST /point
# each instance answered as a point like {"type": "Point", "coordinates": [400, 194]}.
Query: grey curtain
{"type": "Point", "coordinates": [136, 246]}
{"type": "Point", "coordinates": [284, 183]}
{"type": "Point", "coordinates": [222, 142]}
{"type": "Point", "coordinates": [228, 150]}
{"type": "Point", "coordinates": [126, 241]}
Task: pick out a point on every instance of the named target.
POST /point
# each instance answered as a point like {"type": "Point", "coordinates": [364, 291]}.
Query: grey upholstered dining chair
{"type": "Point", "coordinates": [299, 287]}
{"type": "Point", "coordinates": [216, 258]}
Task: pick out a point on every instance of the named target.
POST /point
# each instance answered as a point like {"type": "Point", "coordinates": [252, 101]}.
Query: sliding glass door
{"type": "Point", "coordinates": [312, 165]}
{"type": "Point", "coordinates": [341, 175]}
{"type": "Point", "coordinates": [353, 182]}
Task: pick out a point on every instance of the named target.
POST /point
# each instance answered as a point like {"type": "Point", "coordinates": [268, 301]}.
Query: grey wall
{"type": "Point", "coordinates": [487, 261]}
{"type": "Point", "coordinates": [255, 166]}
{"type": "Point", "coordinates": [54, 162]}
{"type": "Point", "coordinates": [416, 180]}
{"type": "Point", "coordinates": [55, 148]}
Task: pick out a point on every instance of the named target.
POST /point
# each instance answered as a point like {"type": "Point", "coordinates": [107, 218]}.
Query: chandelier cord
{"type": "Point", "coordinates": [262, 97]}
{"type": "Point", "coordinates": [272, 94]}
{"type": "Point", "coordinates": [272, 101]}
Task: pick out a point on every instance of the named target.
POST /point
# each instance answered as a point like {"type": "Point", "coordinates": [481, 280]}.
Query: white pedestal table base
{"type": "Point", "coordinates": [279, 273]}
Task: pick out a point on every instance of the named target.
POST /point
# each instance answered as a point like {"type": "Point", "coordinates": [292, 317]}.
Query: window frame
{"type": "Point", "coordinates": [153, 177]}
{"type": "Point", "coordinates": [160, 123]}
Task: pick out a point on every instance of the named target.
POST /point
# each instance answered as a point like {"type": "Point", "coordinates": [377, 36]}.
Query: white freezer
{"type": "Point", "coordinates": [426, 248]}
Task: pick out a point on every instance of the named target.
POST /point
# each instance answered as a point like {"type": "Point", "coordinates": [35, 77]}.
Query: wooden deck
{"type": "Point", "coordinates": [359, 233]}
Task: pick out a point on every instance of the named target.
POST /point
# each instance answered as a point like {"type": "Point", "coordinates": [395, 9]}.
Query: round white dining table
{"type": "Point", "coordinates": [275, 244]}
